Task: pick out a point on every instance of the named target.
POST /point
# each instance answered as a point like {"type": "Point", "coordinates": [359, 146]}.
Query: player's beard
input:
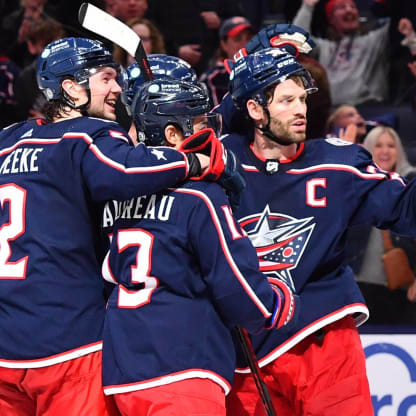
{"type": "Point", "coordinates": [101, 114]}
{"type": "Point", "coordinates": [284, 135]}
{"type": "Point", "coordinates": [98, 109]}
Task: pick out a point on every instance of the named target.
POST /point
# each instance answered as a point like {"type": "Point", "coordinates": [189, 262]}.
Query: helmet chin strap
{"type": "Point", "coordinates": [83, 108]}
{"type": "Point", "coordinates": [266, 129]}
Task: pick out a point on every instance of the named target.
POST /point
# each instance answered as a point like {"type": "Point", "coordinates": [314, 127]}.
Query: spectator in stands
{"type": "Point", "coordinates": [190, 28]}
{"type": "Point", "coordinates": [356, 60]}
{"type": "Point", "coordinates": [399, 54]}
{"type": "Point", "coordinates": [9, 71]}
{"type": "Point", "coordinates": [150, 35]}
{"type": "Point", "coordinates": [234, 33]}
{"type": "Point", "coordinates": [365, 246]}
{"type": "Point", "coordinates": [126, 10]}
{"type": "Point", "coordinates": [16, 27]}
{"type": "Point", "coordinates": [109, 6]}
{"type": "Point", "coordinates": [29, 99]}
{"type": "Point", "coordinates": [347, 123]}
{"type": "Point", "coordinates": [406, 28]}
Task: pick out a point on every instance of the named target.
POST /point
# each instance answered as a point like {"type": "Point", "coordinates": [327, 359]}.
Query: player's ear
{"type": "Point", "coordinates": [73, 89]}
{"type": "Point", "coordinates": [255, 110]}
{"type": "Point", "coordinates": [173, 135]}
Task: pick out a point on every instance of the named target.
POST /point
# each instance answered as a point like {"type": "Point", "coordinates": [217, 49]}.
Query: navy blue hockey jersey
{"type": "Point", "coordinates": [186, 275]}
{"type": "Point", "coordinates": [296, 213]}
{"type": "Point", "coordinates": [52, 299]}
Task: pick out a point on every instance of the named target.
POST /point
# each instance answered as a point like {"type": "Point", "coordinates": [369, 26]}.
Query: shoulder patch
{"type": "Point", "coordinates": [336, 141]}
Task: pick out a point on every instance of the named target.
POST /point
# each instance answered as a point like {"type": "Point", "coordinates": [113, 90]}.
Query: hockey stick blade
{"type": "Point", "coordinates": [250, 355]}
{"type": "Point", "coordinates": [101, 23]}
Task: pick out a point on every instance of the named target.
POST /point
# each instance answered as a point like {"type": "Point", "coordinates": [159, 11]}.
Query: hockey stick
{"type": "Point", "coordinates": [101, 23]}
{"type": "Point", "coordinates": [255, 371]}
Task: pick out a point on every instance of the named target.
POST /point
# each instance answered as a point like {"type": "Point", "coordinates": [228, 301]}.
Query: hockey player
{"type": "Point", "coordinates": [53, 175]}
{"type": "Point", "coordinates": [161, 65]}
{"type": "Point", "coordinates": [185, 273]}
{"type": "Point", "coordinates": [299, 201]}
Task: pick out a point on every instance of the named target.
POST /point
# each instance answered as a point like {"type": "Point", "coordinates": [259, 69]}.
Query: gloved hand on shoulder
{"type": "Point", "coordinates": [223, 167]}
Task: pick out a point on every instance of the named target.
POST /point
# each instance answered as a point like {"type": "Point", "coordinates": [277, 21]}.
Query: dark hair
{"type": "Point", "coordinates": [45, 30]}
{"type": "Point", "coordinates": [54, 109]}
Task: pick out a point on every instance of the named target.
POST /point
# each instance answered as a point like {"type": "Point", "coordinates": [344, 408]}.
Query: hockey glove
{"type": "Point", "coordinates": [194, 165]}
{"type": "Point", "coordinates": [287, 304]}
{"type": "Point", "coordinates": [223, 166]}
{"type": "Point", "coordinates": [232, 181]}
{"type": "Point", "coordinates": [290, 38]}
{"type": "Point", "coordinates": [206, 143]}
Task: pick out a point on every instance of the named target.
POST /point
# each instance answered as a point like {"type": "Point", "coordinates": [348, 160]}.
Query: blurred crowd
{"type": "Point", "coordinates": [365, 55]}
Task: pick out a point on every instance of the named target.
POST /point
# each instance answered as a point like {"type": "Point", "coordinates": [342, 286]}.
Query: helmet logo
{"type": "Point", "coordinates": [154, 88]}
{"type": "Point", "coordinates": [46, 53]}
{"type": "Point", "coordinates": [135, 72]}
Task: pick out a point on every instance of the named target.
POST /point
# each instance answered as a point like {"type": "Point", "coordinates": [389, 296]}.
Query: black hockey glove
{"type": "Point", "coordinates": [290, 38]}
{"type": "Point", "coordinates": [232, 181]}
{"type": "Point", "coordinates": [286, 308]}
{"type": "Point", "coordinates": [194, 165]}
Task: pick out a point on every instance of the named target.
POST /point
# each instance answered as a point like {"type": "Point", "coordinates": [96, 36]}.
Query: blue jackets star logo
{"type": "Point", "coordinates": [158, 153]}
{"type": "Point", "coordinates": [279, 240]}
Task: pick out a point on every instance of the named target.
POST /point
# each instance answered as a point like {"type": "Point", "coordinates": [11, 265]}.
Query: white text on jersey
{"type": "Point", "coordinates": [21, 160]}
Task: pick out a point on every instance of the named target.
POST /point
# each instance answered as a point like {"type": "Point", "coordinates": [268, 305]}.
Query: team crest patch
{"type": "Point", "coordinates": [336, 141]}
{"type": "Point", "coordinates": [279, 240]}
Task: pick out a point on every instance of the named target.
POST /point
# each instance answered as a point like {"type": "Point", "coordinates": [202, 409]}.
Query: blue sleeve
{"type": "Point", "coordinates": [229, 263]}
{"type": "Point", "coordinates": [114, 169]}
{"type": "Point", "coordinates": [383, 198]}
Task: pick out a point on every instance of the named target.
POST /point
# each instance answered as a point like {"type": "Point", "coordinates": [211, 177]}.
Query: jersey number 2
{"type": "Point", "coordinates": [15, 198]}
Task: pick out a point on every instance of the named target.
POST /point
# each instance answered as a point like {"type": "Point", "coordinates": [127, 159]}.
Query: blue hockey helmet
{"type": "Point", "coordinates": [162, 66]}
{"type": "Point", "coordinates": [165, 101]}
{"type": "Point", "coordinates": [250, 75]}
{"type": "Point", "coordinates": [70, 58]}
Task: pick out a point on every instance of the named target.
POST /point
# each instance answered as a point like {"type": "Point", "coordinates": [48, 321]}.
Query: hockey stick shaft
{"type": "Point", "coordinates": [250, 355]}
{"type": "Point", "coordinates": [101, 23]}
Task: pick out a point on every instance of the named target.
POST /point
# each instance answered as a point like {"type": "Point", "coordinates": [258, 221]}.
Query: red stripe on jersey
{"type": "Point", "coordinates": [28, 141]}
{"type": "Point", "coordinates": [119, 166]}
{"type": "Point", "coordinates": [345, 168]}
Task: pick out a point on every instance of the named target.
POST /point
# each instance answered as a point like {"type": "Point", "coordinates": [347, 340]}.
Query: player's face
{"type": "Point", "coordinates": [288, 112]}
{"type": "Point", "coordinates": [385, 152]}
{"type": "Point", "coordinates": [199, 123]}
{"type": "Point", "coordinates": [104, 92]}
